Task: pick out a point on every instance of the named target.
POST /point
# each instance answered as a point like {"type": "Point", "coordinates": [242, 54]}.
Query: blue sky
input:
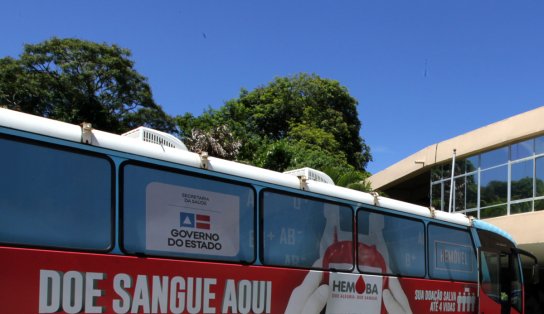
{"type": "Point", "coordinates": [422, 71]}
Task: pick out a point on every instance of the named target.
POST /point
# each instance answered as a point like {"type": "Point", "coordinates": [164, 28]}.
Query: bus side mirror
{"type": "Point", "coordinates": [535, 274]}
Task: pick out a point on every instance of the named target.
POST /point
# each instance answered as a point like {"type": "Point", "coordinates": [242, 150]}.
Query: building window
{"type": "Point", "coordinates": [436, 195]}
{"type": "Point", "coordinates": [472, 163]}
{"type": "Point", "coordinates": [523, 207]}
{"type": "Point", "coordinates": [493, 186]}
{"type": "Point", "coordinates": [494, 158]}
{"type": "Point", "coordinates": [539, 204]}
{"type": "Point", "coordinates": [522, 180]}
{"type": "Point", "coordinates": [472, 191]}
{"type": "Point", "coordinates": [522, 150]}
{"type": "Point", "coordinates": [494, 211]}
{"type": "Point", "coordinates": [506, 180]}
{"type": "Point", "coordinates": [436, 173]}
{"type": "Point", "coordinates": [539, 176]}
{"type": "Point", "coordinates": [539, 145]}
{"type": "Point", "coordinates": [460, 193]}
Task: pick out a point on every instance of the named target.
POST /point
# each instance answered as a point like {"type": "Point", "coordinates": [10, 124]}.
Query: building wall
{"type": "Point", "coordinates": [516, 128]}
{"type": "Point", "coordinates": [406, 179]}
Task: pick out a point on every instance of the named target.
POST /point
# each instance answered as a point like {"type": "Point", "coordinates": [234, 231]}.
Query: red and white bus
{"type": "Point", "coordinates": [92, 222]}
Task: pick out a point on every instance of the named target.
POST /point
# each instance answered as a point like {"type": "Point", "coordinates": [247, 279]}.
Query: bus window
{"type": "Point", "coordinates": [390, 244]}
{"type": "Point", "coordinates": [306, 232]}
{"type": "Point", "coordinates": [51, 197]}
{"type": "Point", "coordinates": [451, 254]}
{"type": "Point", "coordinates": [500, 271]}
{"type": "Point", "coordinates": [169, 213]}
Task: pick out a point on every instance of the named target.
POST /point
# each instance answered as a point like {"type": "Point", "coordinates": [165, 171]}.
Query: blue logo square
{"type": "Point", "coordinates": [186, 220]}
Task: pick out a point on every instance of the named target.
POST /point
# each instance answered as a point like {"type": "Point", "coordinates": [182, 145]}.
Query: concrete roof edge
{"type": "Point", "coordinates": [406, 168]}
{"type": "Point", "coordinates": [516, 128]}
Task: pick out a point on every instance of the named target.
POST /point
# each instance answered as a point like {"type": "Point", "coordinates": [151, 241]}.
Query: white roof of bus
{"type": "Point", "coordinates": [39, 125]}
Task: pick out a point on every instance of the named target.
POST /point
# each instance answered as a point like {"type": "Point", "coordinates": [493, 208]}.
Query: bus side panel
{"type": "Point", "coordinates": [487, 304]}
{"type": "Point", "coordinates": [37, 281]}
{"type": "Point", "coordinates": [42, 281]}
{"type": "Point", "coordinates": [431, 296]}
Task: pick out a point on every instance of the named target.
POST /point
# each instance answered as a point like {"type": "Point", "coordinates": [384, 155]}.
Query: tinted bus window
{"type": "Point", "coordinates": [54, 198]}
{"type": "Point", "coordinates": [390, 244]}
{"type": "Point", "coordinates": [451, 254]}
{"type": "Point", "coordinates": [167, 213]}
{"type": "Point", "coordinates": [500, 271]}
{"type": "Point", "coordinates": [306, 232]}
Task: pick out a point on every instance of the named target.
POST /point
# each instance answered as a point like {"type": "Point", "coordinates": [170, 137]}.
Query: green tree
{"type": "Point", "coordinates": [293, 122]}
{"type": "Point", "coordinates": [78, 81]}
{"type": "Point", "coordinates": [288, 105]}
{"type": "Point", "coordinates": [355, 180]}
{"type": "Point", "coordinates": [284, 154]}
{"type": "Point", "coordinates": [218, 142]}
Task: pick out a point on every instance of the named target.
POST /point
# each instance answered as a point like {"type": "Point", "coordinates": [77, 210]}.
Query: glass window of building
{"type": "Point", "coordinates": [522, 150]}
{"type": "Point", "coordinates": [494, 211]}
{"type": "Point", "coordinates": [436, 196]}
{"type": "Point", "coordinates": [459, 167]}
{"type": "Point", "coordinates": [523, 207]}
{"type": "Point", "coordinates": [436, 173]}
{"type": "Point", "coordinates": [460, 193]}
{"type": "Point", "coordinates": [521, 180]}
{"type": "Point", "coordinates": [539, 145]}
{"type": "Point", "coordinates": [494, 158]}
{"type": "Point", "coordinates": [539, 204]}
{"type": "Point", "coordinates": [472, 191]}
{"type": "Point", "coordinates": [494, 186]}
{"type": "Point", "coordinates": [446, 193]}
{"type": "Point", "coordinates": [446, 170]}
{"type": "Point", "coordinates": [472, 163]}
{"type": "Point", "coordinates": [506, 180]}
{"type": "Point", "coordinates": [539, 176]}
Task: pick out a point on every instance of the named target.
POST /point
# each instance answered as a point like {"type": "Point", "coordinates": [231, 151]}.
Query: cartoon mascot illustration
{"type": "Point", "coordinates": [369, 294]}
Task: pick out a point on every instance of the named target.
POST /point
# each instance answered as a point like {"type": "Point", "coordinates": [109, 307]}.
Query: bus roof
{"type": "Point", "coordinates": [61, 130]}
{"type": "Point", "coordinates": [479, 224]}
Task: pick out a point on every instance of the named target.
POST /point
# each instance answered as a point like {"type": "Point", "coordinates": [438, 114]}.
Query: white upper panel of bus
{"type": "Point", "coordinates": [39, 125]}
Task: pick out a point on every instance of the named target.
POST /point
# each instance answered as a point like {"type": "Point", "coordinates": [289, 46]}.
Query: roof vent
{"type": "Point", "coordinates": [311, 174]}
{"type": "Point", "coordinates": [155, 137]}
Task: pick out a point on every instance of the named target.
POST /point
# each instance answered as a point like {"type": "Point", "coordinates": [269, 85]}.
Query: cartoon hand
{"type": "Point", "coordinates": [395, 299]}
{"type": "Point", "coordinates": [309, 297]}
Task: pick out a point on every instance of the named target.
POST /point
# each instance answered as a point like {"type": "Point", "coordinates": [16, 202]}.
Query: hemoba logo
{"type": "Point", "coordinates": [349, 292]}
{"type": "Point", "coordinates": [198, 221]}
{"type": "Point", "coordinates": [359, 287]}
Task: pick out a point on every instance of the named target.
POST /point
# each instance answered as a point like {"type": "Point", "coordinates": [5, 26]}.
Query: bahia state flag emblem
{"type": "Point", "coordinates": [191, 220]}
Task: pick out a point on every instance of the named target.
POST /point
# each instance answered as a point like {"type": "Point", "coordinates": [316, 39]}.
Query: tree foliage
{"type": "Point", "coordinates": [219, 142]}
{"type": "Point", "coordinates": [292, 122]}
{"type": "Point", "coordinates": [298, 121]}
{"type": "Point", "coordinates": [300, 106]}
{"type": "Point", "coordinates": [78, 81]}
{"type": "Point", "coordinates": [355, 180]}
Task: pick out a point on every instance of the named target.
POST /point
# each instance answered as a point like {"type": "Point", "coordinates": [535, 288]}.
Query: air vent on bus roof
{"type": "Point", "coordinates": [155, 137]}
{"type": "Point", "coordinates": [311, 174]}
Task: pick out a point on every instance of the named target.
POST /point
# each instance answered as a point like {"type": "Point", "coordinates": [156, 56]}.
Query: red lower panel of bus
{"type": "Point", "coordinates": [38, 281]}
